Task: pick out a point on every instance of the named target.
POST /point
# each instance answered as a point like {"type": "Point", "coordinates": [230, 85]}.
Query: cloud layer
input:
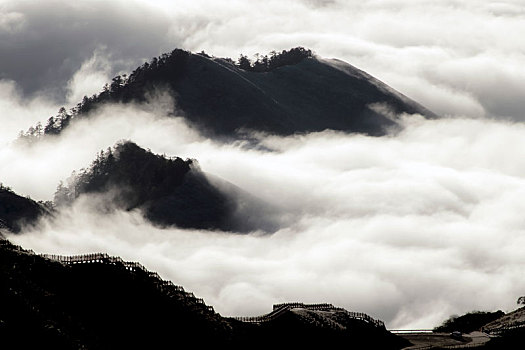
{"type": "Point", "coordinates": [409, 228]}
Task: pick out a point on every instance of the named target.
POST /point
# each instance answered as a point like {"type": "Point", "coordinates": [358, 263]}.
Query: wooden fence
{"type": "Point", "coordinates": [163, 286]}
{"type": "Point", "coordinates": [169, 287]}
{"type": "Point", "coordinates": [280, 309]}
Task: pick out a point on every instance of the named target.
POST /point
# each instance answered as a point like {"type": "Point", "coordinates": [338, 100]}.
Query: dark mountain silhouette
{"type": "Point", "coordinates": [17, 211]}
{"type": "Point", "coordinates": [469, 322]}
{"type": "Point", "coordinates": [49, 305]}
{"type": "Point", "coordinates": [101, 302]}
{"type": "Point", "coordinates": [286, 93]}
{"type": "Point", "coordinates": [170, 191]}
{"type": "Point", "coordinates": [323, 326]}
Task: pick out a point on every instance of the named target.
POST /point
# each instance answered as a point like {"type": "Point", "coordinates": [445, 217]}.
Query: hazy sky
{"type": "Point", "coordinates": [409, 228]}
{"type": "Point", "coordinates": [456, 57]}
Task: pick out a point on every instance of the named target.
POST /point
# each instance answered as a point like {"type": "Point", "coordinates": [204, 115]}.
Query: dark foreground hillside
{"type": "Point", "coordinates": [100, 302]}
{"type": "Point", "coordinates": [47, 305]}
{"type": "Point", "coordinates": [324, 329]}
{"type": "Point", "coordinates": [476, 329]}
{"type": "Point", "coordinates": [169, 191]}
{"type": "Point", "coordinates": [290, 92]}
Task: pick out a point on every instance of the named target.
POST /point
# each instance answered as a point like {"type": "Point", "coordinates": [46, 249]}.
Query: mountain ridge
{"type": "Point", "coordinates": [221, 98]}
{"type": "Point", "coordinates": [100, 302]}
{"type": "Point", "coordinates": [169, 191]}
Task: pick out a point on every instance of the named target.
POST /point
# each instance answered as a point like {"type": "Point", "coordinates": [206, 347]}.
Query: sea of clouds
{"type": "Point", "coordinates": [410, 228]}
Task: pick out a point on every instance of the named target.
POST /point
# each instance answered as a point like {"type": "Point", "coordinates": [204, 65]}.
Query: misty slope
{"type": "Point", "coordinates": [169, 191]}
{"type": "Point", "coordinates": [17, 211]}
{"type": "Point", "coordinates": [300, 93]}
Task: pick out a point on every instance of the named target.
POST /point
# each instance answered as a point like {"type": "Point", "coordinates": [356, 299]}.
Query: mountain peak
{"type": "Point", "coordinates": [169, 191]}
{"type": "Point", "coordinates": [282, 93]}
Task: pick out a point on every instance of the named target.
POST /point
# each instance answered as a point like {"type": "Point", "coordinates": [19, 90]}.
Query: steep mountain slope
{"type": "Point", "coordinates": [169, 191]}
{"type": "Point", "coordinates": [49, 305]}
{"type": "Point", "coordinates": [17, 211]}
{"type": "Point", "coordinates": [96, 301]}
{"type": "Point", "coordinates": [298, 93]}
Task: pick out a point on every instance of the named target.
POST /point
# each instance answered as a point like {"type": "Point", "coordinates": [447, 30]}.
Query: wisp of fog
{"type": "Point", "coordinates": [409, 228]}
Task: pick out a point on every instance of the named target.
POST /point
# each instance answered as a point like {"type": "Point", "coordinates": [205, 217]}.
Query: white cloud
{"type": "Point", "coordinates": [53, 159]}
{"type": "Point", "coordinates": [91, 77]}
{"type": "Point", "coordinates": [11, 21]}
{"type": "Point", "coordinates": [17, 113]}
{"type": "Point", "coordinates": [409, 228]}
